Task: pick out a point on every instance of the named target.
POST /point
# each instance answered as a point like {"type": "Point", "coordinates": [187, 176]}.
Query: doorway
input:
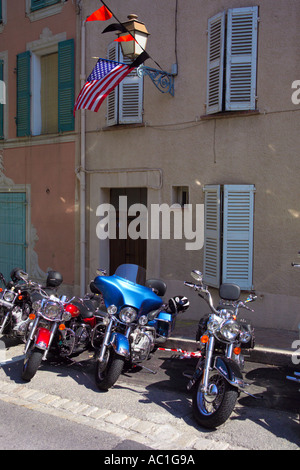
{"type": "Point", "coordinates": [127, 250]}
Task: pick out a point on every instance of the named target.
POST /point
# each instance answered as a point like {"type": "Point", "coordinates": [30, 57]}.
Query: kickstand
{"type": "Point", "coordinates": [146, 368]}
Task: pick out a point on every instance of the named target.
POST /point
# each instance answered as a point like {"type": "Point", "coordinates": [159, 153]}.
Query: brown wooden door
{"type": "Point", "coordinates": [127, 250]}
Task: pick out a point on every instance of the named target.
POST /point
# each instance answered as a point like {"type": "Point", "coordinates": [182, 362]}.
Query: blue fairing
{"type": "Point", "coordinates": [120, 292]}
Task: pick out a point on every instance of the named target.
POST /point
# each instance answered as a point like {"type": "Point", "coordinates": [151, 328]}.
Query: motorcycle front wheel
{"type": "Point", "coordinates": [31, 364]}
{"type": "Point", "coordinates": [213, 408]}
{"type": "Point", "coordinates": [109, 370]}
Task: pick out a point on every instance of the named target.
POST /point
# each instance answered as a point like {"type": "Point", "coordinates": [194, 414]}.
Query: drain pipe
{"type": "Point", "coordinates": [82, 171]}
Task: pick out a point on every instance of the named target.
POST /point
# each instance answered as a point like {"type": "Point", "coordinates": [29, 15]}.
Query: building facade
{"type": "Point", "coordinates": [226, 143]}
{"type": "Point", "coordinates": [38, 184]}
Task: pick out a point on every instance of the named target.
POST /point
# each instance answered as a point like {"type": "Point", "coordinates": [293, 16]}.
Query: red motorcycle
{"type": "Point", "coordinates": [60, 326]}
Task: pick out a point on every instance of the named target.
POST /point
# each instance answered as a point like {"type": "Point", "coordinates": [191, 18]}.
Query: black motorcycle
{"type": "Point", "coordinates": [16, 300]}
{"type": "Point", "coordinates": [217, 380]}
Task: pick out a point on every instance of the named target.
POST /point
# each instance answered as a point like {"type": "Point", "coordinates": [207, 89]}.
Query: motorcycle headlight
{"type": "Point", "coordinates": [127, 314]}
{"type": "Point", "coordinates": [9, 296]}
{"type": "Point", "coordinates": [51, 311]}
{"type": "Point", "coordinates": [143, 320]}
{"type": "Point", "coordinates": [230, 330]}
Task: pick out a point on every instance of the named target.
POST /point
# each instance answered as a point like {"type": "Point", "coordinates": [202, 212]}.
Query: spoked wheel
{"type": "Point", "coordinates": [109, 370]}
{"type": "Point", "coordinates": [213, 408]}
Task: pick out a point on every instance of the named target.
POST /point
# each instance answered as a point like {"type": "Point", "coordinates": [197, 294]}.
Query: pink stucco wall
{"type": "Point", "coordinates": [48, 167]}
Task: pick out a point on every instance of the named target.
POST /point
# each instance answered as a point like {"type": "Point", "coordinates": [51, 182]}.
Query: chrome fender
{"type": "Point", "coordinates": [230, 370]}
{"type": "Point", "coordinates": [120, 344]}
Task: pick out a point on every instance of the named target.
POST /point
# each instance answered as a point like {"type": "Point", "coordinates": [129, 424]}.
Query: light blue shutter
{"type": "Point", "coordinates": [130, 97]}
{"type": "Point", "coordinates": [112, 99]}
{"type": "Point", "coordinates": [212, 226]}
{"type": "Point", "coordinates": [241, 58]}
{"type": "Point", "coordinates": [66, 85]}
{"type": "Point", "coordinates": [238, 215]}
{"type": "Point", "coordinates": [23, 94]}
{"type": "Point", "coordinates": [215, 63]}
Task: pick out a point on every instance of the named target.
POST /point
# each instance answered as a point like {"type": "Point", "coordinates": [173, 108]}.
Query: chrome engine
{"type": "Point", "coordinates": [142, 343]}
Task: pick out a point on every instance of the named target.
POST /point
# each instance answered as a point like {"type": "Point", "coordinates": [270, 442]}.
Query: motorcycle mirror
{"type": "Point", "coordinates": [197, 275]}
{"type": "Point", "coordinates": [23, 275]}
{"type": "Point", "coordinates": [101, 272]}
{"type": "Point", "coordinates": [251, 298]}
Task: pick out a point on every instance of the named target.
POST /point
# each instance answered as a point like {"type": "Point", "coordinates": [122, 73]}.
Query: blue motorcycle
{"type": "Point", "coordinates": [134, 322]}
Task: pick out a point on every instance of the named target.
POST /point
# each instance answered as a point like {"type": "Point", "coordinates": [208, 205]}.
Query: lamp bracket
{"type": "Point", "coordinates": [164, 81]}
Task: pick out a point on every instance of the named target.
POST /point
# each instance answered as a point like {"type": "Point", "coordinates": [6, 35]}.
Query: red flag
{"type": "Point", "coordinates": [125, 38]}
{"type": "Point", "coordinates": [102, 14]}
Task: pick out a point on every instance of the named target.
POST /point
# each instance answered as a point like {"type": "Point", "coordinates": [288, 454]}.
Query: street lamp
{"type": "Point", "coordinates": [164, 81]}
{"type": "Point", "coordinates": [138, 31]}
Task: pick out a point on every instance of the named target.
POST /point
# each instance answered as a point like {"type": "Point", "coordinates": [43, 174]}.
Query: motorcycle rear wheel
{"type": "Point", "coordinates": [108, 371]}
{"type": "Point", "coordinates": [31, 364]}
{"type": "Point", "coordinates": [213, 409]}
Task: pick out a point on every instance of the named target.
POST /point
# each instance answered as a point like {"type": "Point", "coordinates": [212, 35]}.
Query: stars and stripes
{"type": "Point", "coordinates": [105, 76]}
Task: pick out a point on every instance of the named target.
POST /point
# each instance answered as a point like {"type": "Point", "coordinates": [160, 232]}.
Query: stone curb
{"type": "Point", "coordinates": [153, 435]}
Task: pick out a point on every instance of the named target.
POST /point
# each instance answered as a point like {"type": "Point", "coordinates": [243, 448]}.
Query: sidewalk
{"type": "Point", "coordinates": [272, 346]}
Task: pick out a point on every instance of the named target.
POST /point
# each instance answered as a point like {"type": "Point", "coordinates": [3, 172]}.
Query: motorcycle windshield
{"type": "Point", "coordinates": [132, 272]}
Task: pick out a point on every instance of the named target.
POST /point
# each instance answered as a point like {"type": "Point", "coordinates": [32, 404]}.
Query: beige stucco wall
{"type": "Point", "coordinates": [260, 149]}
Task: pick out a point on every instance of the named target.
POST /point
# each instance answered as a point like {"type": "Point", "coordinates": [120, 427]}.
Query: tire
{"type": "Point", "coordinates": [108, 371]}
{"type": "Point", "coordinates": [31, 364]}
{"type": "Point", "coordinates": [213, 410]}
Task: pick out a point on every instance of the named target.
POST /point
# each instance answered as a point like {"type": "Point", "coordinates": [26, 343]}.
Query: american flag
{"type": "Point", "coordinates": [106, 75]}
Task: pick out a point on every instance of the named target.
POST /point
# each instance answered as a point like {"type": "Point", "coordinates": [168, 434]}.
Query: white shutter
{"type": "Point", "coordinates": [112, 99]}
{"type": "Point", "coordinates": [215, 63]}
{"type": "Point", "coordinates": [131, 97]}
{"type": "Point", "coordinates": [238, 214]}
{"type": "Point", "coordinates": [211, 266]}
{"type": "Point", "coordinates": [241, 58]}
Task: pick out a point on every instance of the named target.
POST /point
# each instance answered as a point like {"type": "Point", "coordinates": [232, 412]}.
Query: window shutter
{"type": "Point", "coordinates": [66, 85]}
{"type": "Point", "coordinates": [238, 218]}
{"type": "Point", "coordinates": [212, 252]}
{"type": "Point", "coordinates": [215, 63]}
{"type": "Point", "coordinates": [241, 58]}
{"type": "Point", "coordinates": [1, 103]}
{"type": "Point", "coordinates": [112, 99]}
{"type": "Point", "coordinates": [23, 94]}
{"type": "Point", "coordinates": [131, 97]}
{"type": "Point", "coordinates": [37, 4]}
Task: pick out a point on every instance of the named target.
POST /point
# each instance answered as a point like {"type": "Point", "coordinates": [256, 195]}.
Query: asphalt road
{"type": "Point", "coordinates": [61, 408]}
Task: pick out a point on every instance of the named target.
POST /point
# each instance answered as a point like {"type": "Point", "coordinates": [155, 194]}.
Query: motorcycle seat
{"type": "Point", "coordinates": [229, 291]}
{"type": "Point", "coordinates": [86, 308]}
{"type": "Point", "coordinates": [158, 286]}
